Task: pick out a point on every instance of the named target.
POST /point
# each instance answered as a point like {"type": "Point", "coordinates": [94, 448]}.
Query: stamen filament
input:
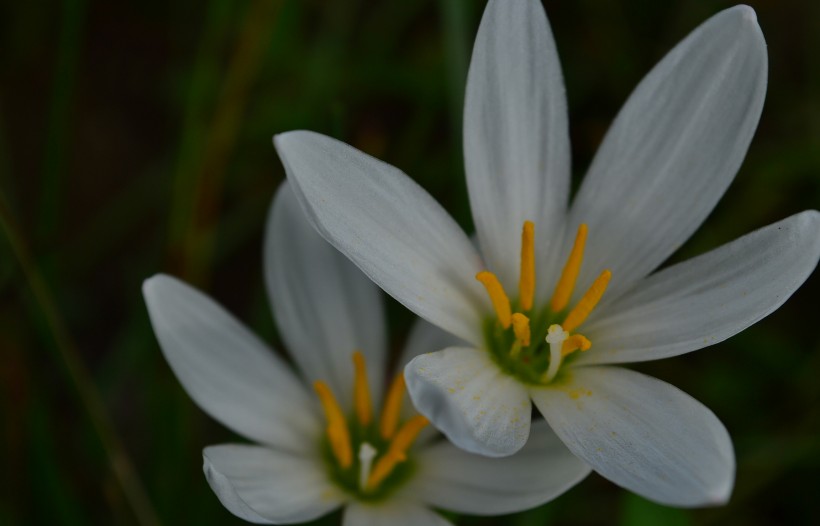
{"type": "Point", "coordinates": [591, 298]}
{"type": "Point", "coordinates": [521, 328]}
{"type": "Point", "coordinates": [574, 343]}
{"type": "Point", "coordinates": [337, 431]}
{"type": "Point", "coordinates": [397, 450]}
{"type": "Point", "coordinates": [392, 407]}
{"type": "Point", "coordinates": [501, 303]}
{"type": "Point", "coordinates": [566, 284]}
{"type": "Point", "coordinates": [515, 350]}
{"type": "Point", "coordinates": [526, 281]}
{"type": "Point", "coordinates": [361, 391]}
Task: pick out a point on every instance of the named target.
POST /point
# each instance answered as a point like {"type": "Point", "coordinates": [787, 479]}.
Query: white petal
{"type": "Point", "coordinates": [643, 434]}
{"type": "Point", "coordinates": [269, 487]}
{"type": "Point", "coordinates": [393, 513]}
{"type": "Point", "coordinates": [425, 338]}
{"type": "Point", "coordinates": [673, 150]}
{"type": "Point", "coordinates": [709, 298]}
{"type": "Point", "coordinates": [468, 398]}
{"type": "Point", "coordinates": [390, 227]}
{"type": "Point", "coordinates": [455, 480]}
{"type": "Point", "coordinates": [324, 306]}
{"type": "Point", "coordinates": [516, 138]}
{"type": "Point", "coordinates": [227, 370]}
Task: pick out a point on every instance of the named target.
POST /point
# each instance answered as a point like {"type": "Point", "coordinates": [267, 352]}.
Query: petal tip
{"type": "Point", "coordinates": [151, 285]}
{"type": "Point", "coordinates": [286, 139]}
{"type": "Point", "coordinates": [747, 13]}
{"type": "Point", "coordinates": [721, 495]}
{"type": "Point", "coordinates": [742, 18]}
{"type": "Point", "coordinates": [747, 18]}
{"type": "Point", "coordinates": [280, 139]}
{"type": "Point", "coordinates": [812, 215]}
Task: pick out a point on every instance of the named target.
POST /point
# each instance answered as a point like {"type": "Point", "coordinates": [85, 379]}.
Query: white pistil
{"type": "Point", "coordinates": [556, 336]}
{"type": "Point", "coordinates": [366, 455]}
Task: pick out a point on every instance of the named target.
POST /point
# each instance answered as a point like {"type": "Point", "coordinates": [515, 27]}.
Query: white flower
{"type": "Point", "coordinates": [665, 162]}
{"type": "Point", "coordinates": [307, 464]}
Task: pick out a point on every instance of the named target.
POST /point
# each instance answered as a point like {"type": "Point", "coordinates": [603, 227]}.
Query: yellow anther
{"type": "Point", "coordinates": [521, 328]}
{"type": "Point", "coordinates": [397, 451]}
{"type": "Point", "coordinates": [361, 391]}
{"type": "Point", "coordinates": [501, 303]}
{"type": "Point", "coordinates": [337, 431]}
{"type": "Point", "coordinates": [574, 343]}
{"type": "Point", "coordinates": [526, 280]}
{"type": "Point", "coordinates": [392, 407]}
{"type": "Point", "coordinates": [566, 284]}
{"type": "Point", "coordinates": [591, 298]}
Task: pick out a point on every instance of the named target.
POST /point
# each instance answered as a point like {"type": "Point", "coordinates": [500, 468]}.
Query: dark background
{"type": "Point", "coordinates": [135, 138]}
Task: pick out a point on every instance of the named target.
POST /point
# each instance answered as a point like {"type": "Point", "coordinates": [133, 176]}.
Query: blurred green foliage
{"type": "Point", "coordinates": [135, 138]}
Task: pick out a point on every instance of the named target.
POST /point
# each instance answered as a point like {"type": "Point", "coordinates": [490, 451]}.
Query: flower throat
{"type": "Point", "coordinates": [531, 342]}
{"type": "Point", "coordinates": [380, 464]}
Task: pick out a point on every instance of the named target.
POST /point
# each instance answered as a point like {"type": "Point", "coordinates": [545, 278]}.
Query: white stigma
{"type": "Point", "coordinates": [556, 336]}
{"type": "Point", "coordinates": [366, 455]}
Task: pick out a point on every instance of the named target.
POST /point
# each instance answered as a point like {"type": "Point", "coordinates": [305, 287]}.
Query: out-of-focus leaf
{"type": "Point", "coordinates": [637, 511]}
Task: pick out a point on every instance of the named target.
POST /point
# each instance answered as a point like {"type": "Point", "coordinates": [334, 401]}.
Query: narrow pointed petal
{"type": "Point", "coordinates": [454, 480]}
{"type": "Point", "coordinates": [324, 306]}
{"type": "Point", "coordinates": [642, 434]}
{"type": "Point", "coordinates": [516, 138]}
{"type": "Point", "coordinates": [266, 486]}
{"type": "Point", "coordinates": [390, 227]}
{"type": "Point", "coordinates": [469, 399]}
{"type": "Point", "coordinates": [393, 513]}
{"type": "Point", "coordinates": [673, 149]}
{"type": "Point", "coordinates": [227, 370]}
{"type": "Point", "coordinates": [709, 298]}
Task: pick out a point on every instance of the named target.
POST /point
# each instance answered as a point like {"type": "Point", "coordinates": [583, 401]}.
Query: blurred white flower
{"type": "Point", "coordinates": [307, 464]}
{"type": "Point", "coordinates": [665, 162]}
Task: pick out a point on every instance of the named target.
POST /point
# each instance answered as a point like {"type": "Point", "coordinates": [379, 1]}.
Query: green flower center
{"type": "Point", "coordinates": [531, 342]}
{"type": "Point", "coordinates": [530, 363]}
{"type": "Point", "coordinates": [368, 443]}
{"type": "Point", "coordinates": [368, 458]}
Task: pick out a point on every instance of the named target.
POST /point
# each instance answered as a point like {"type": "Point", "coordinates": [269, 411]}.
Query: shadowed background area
{"type": "Point", "coordinates": [135, 139]}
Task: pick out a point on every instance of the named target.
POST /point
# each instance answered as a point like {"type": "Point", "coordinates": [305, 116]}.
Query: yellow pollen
{"type": "Point", "coordinates": [521, 328]}
{"type": "Point", "coordinates": [591, 298]}
{"type": "Point", "coordinates": [337, 431]}
{"type": "Point", "coordinates": [526, 281]}
{"type": "Point", "coordinates": [574, 343]}
{"type": "Point", "coordinates": [566, 284]}
{"type": "Point", "coordinates": [501, 302]}
{"type": "Point", "coordinates": [361, 391]}
{"type": "Point", "coordinates": [392, 407]}
{"type": "Point", "coordinates": [397, 450]}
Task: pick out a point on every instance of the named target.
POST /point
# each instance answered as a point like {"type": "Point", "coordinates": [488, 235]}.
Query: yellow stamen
{"type": "Point", "coordinates": [526, 282]}
{"type": "Point", "coordinates": [574, 343]}
{"type": "Point", "coordinates": [392, 407]}
{"type": "Point", "coordinates": [591, 298]}
{"type": "Point", "coordinates": [566, 284]}
{"type": "Point", "coordinates": [361, 391]}
{"type": "Point", "coordinates": [397, 450]}
{"type": "Point", "coordinates": [501, 302]}
{"type": "Point", "coordinates": [337, 430]}
{"type": "Point", "coordinates": [521, 328]}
